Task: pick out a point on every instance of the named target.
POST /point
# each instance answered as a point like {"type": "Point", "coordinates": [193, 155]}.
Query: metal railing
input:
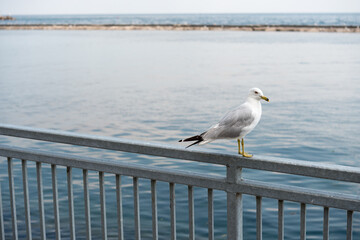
{"type": "Point", "coordinates": [233, 184]}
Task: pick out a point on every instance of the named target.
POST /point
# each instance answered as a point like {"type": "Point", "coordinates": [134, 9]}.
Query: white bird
{"type": "Point", "coordinates": [234, 124]}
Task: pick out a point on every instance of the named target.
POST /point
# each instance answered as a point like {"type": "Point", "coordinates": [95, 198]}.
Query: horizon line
{"type": "Point", "coordinates": [194, 13]}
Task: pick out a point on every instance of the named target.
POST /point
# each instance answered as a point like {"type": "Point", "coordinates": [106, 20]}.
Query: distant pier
{"type": "Point", "coordinates": [6, 18]}
{"type": "Point", "coordinates": [184, 27]}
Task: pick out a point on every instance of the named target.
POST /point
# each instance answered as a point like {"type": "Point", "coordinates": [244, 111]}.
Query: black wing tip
{"type": "Point", "coordinates": [196, 138]}
{"type": "Point", "coordinates": [199, 141]}
{"type": "Point", "coordinates": [193, 138]}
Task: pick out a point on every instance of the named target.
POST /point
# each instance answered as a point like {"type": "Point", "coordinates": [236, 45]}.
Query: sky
{"type": "Point", "coordinates": [14, 7]}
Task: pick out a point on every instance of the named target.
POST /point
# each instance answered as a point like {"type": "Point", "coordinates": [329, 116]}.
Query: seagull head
{"type": "Point", "coordinates": [257, 94]}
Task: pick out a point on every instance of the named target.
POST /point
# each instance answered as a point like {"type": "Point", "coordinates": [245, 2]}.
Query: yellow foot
{"type": "Point", "coordinates": [248, 155]}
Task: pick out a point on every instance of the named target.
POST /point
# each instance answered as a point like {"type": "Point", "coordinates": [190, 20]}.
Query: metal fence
{"type": "Point", "coordinates": [233, 184]}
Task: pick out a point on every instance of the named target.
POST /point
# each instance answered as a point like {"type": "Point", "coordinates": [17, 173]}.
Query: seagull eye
{"type": "Point", "coordinates": [256, 92]}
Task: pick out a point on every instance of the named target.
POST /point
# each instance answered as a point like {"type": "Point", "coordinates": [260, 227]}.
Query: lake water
{"type": "Point", "coordinates": [161, 86]}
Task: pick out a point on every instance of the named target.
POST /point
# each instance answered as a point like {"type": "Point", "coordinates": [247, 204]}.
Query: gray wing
{"type": "Point", "coordinates": [231, 125]}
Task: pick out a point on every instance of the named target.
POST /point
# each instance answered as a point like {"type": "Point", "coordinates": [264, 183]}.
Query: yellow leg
{"type": "Point", "coordinates": [239, 150]}
{"type": "Point", "coordinates": [243, 150]}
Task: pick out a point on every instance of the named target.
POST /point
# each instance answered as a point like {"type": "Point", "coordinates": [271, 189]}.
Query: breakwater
{"type": "Point", "coordinates": [185, 27]}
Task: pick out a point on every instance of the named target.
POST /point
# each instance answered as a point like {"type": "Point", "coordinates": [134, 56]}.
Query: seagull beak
{"type": "Point", "coordinates": [265, 98]}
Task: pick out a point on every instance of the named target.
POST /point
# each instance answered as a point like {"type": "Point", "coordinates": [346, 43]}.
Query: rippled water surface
{"type": "Point", "coordinates": [163, 86]}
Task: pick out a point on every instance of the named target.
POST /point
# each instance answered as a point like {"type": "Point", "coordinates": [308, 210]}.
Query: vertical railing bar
{"type": "Point", "coordinates": [119, 207]}
{"type": "Point", "coordinates": [191, 213]}
{"type": "Point", "coordinates": [12, 199]}
{"type": "Point", "coordinates": [40, 201]}
{"type": "Point", "coordinates": [281, 220]}
{"type": "Point", "coordinates": [234, 219]}
{"type": "Point", "coordinates": [87, 204]}
{"type": "Point", "coordinates": [210, 214]}
{"type": "Point", "coordinates": [55, 202]}
{"type": "Point", "coordinates": [172, 211]}
{"type": "Point", "coordinates": [26, 200]}
{"type": "Point", "coordinates": [303, 221]}
{"type": "Point", "coordinates": [258, 218]}
{"type": "Point", "coordinates": [136, 208]}
{"type": "Point", "coordinates": [2, 231]}
{"type": "Point", "coordinates": [71, 203]}
{"type": "Point", "coordinates": [349, 225]}
{"type": "Point", "coordinates": [234, 205]}
{"type": "Point", "coordinates": [326, 224]}
{"type": "Point", "coordinates": [102, 206]}
{"type": "Point", "coordinates": [154, 210]}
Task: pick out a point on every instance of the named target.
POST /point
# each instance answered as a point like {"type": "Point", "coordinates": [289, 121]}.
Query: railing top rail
{"type": "Point", "coordinates": [283, 165]}
{"type": "Point", "coordinates": [251, 187]}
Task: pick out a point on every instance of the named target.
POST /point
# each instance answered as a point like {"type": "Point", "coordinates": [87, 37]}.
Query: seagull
{"type": "Point", "coordinates": [235, 124]}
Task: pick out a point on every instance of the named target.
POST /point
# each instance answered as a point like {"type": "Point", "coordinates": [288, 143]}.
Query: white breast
{"type": "Point", "coordinates": [256, 106]}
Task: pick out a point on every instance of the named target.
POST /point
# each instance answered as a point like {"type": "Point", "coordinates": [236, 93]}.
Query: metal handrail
{"type": "Point", "coordinates": [232, 183]}
{"type": "Point", "coordinates": [251, 187]}
{"type": "Point", "coordinates": [273, 164]}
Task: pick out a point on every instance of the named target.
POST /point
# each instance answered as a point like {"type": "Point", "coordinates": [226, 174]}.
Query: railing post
{"type": "Point", "coordinates": [234, 205]}
{"type": "Point", "coordinates": [2, 231]}
{"type": "Point", "coordinates": [55, 202]}
{"type": "Point", "coordinates": [26, 200]}
{"type": "Point", "coordinates": [211, 213]}
{"type": "Point", "coordinates": [12, 199]}
{"type": "Point", "coordinates": [40, 200]}
{"type": "Point", "coordinates": [87, 204]}
{"type": "Point", "coordinates": [71, 203]}
{"type": "Point", "coordinates": [281, 219]}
